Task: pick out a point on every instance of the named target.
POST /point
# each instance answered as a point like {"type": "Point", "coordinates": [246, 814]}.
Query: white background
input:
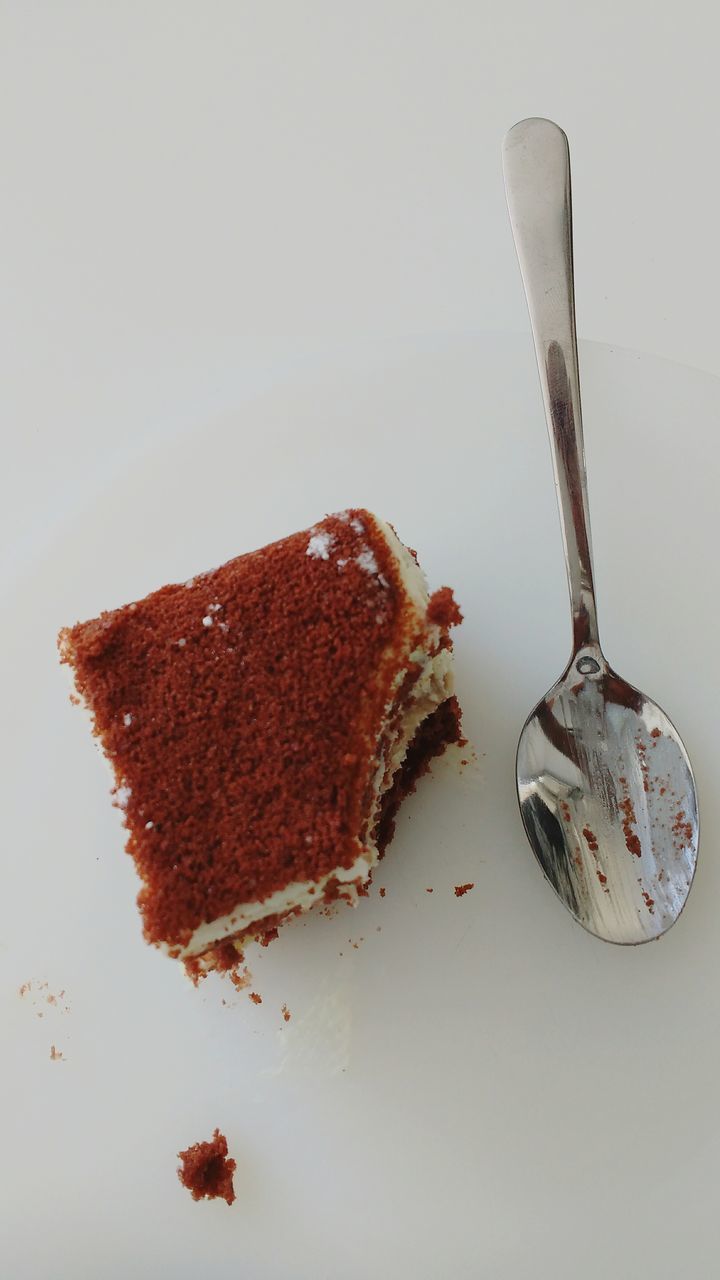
{"type": "Point", "coordinates": [214, 186]}
{"type": "Point", "coordinates": [203, 201]}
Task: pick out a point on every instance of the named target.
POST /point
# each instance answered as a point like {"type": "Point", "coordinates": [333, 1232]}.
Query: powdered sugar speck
{"type": "Point", "coordinates": [366, 560]}
{"type": "Point", "coordinates": [319, 545]}
{"type": "Point", "coordinates": [122, 795]}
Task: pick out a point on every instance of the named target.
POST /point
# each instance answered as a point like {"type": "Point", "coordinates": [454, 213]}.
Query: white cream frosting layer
{"type": "Point", "coordinates": [433, 686]}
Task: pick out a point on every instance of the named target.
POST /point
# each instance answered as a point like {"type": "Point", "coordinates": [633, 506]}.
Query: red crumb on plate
{"type": "Point", "coordinates": [462, 889]}
{"type": "Point", "coordinates": [207, 1170]}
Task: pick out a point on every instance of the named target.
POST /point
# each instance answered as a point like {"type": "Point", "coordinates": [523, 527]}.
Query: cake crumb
{"type": "Point", "coordinates": [226, 958]}
{"type": "Point", "coordinates": [207, 1170]}
{"type": "Point", "coordinates": [431, 890]}
{"type": "Point", "coordinates": [443, 609]}
{"type": "Point", "coordinates": [56, 1055]}
{"type": "Point", "coordinates": [462, 889]}
{"type": "Point", "coordinates": [383, 891]}
{"type": "Point", "coordinates": [240, 980]}
{"type": "Point", "coordinates": [37, 996]}
{"type": "Point", "coordinates": [256, 999]}
{"type": "Point", "coordinates": [286, 1013]}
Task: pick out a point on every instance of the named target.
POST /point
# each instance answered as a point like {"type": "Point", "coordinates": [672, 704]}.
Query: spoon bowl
{"type": "Point", "coordinates": [608, 802]}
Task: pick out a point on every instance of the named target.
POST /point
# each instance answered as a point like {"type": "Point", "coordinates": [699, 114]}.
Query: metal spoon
{"type": "Point", "coordinates": [606, 791]}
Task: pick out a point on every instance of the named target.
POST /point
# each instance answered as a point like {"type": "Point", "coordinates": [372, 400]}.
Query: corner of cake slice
{"type": "Point", "coordinates": [263, 722]}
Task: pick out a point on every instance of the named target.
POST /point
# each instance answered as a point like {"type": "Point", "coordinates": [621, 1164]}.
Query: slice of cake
{"type": "Point", "coordinates": [263, 722]}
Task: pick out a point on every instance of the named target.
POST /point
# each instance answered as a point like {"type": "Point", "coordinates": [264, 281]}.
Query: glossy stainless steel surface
{"type": "Point", "coordinates": [606, 790]}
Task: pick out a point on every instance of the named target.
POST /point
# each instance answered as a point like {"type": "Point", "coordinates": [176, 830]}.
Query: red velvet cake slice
{"type": "Point", "coordinates": [263, 721]}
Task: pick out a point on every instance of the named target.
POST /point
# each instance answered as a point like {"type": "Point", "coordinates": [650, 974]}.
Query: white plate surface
{"type": "Point", "coordinates": [478, 1087]}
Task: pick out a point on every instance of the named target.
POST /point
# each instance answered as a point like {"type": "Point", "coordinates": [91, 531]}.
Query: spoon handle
{"type": "Point", "coordinates": [536, 164]}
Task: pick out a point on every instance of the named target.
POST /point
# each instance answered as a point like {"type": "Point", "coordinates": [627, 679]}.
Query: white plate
{"type": "Point", "coordinates": [479, 1088]}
